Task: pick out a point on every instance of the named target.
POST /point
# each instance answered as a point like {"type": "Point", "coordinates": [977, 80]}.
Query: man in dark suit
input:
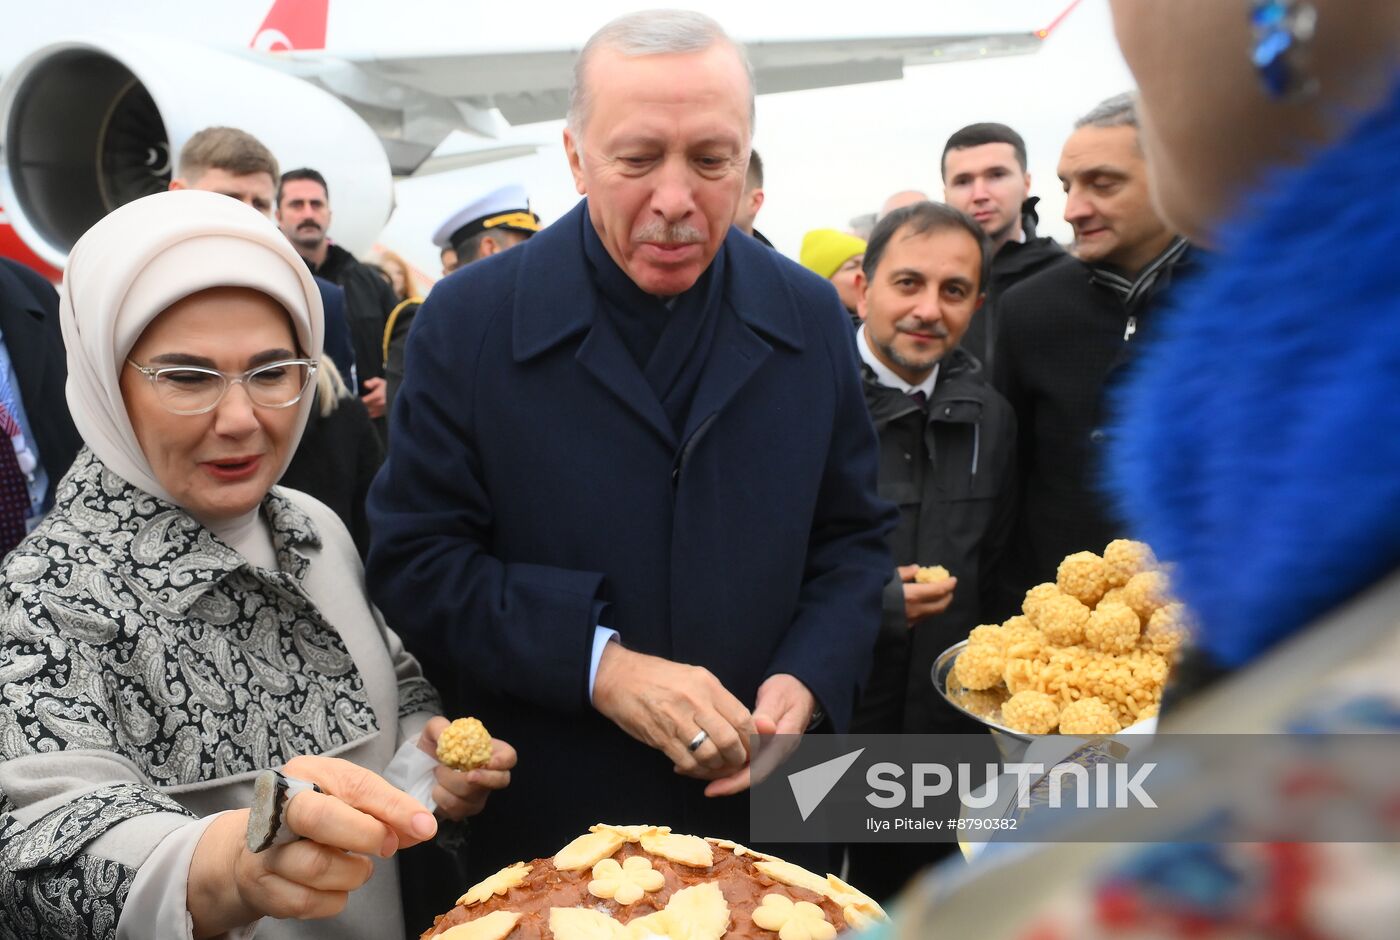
{"type": "Point", "coordinates": [632, 495]}
{"type": "Point", "coordinates": [34, 415]}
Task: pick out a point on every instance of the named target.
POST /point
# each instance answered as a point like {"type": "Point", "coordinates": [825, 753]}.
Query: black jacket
{"type": "Point", "coordinates": [336, 461]}
{"type": "Point", "coordinates": [1015, 262]}
{"type": "Point", "coordinates": [29, 322]}
{"type": "Point", "coordinates": [1065, 336]}
{"type": "Point", "coordinates": [950, 470]}
{"type": "Point", "coordinates": [368, 300]}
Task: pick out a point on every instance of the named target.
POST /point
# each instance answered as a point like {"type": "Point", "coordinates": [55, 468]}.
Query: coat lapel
{"type": "Point", "coordinates": [736, 355]}
{"type": "Point", "coordinates": [556, 300]}
{"type": "Point", "coordinates": [605, 358]}
{"type": "Point", "coordinates": [757, 313]}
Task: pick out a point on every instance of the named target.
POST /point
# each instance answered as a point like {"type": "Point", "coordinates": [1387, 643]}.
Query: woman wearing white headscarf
{"type": "Point", "coordinates": [178, 625]}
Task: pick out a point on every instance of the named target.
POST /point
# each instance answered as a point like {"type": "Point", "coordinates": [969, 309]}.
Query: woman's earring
{"type": "Point", "coordinates": [1283, 30]}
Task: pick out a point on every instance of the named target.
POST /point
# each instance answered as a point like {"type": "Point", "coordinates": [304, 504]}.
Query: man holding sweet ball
{"type": "Point", "coordinates": [946, 458]}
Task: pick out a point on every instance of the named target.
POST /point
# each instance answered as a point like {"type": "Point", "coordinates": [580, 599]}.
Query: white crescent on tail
{"type": "Point", "coordinates": [271, 40]}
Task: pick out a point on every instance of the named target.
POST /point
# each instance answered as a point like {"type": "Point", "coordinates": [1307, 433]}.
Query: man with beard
{"type": "Point", "coordinates": [631, 498]}
{"type": "Point", "coordinates": [946, 458]}
{"type": "Point", "coordinates": [1067, 333]}
{"type": "Point", "coordinates": [304, 215]}
{"type": "Point", "coordinates": [985, 177]}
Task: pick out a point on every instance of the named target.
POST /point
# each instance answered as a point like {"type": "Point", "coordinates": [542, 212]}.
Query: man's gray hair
{"type": "Point", "coordinates": [650, 32]}
{"type": "Point", "coordinates": [1118, 111]}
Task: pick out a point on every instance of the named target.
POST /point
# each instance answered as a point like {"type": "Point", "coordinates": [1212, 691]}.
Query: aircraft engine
{"type": "Point", "coordinates": [90, 124]}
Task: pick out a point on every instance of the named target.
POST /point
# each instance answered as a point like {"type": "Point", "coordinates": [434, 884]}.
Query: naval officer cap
{"type": "Point", "coordinates": [505, 208]}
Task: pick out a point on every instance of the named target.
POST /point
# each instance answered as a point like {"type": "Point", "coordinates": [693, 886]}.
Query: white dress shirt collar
{"type": "Point", "coordinates": [885, 375]}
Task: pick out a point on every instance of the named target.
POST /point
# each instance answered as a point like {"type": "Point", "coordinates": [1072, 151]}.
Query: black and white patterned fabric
{"type": "Point", "coordinates": [47, 888]}
{"type": "Point", "coordinates": [83, 899]}
{"type": "Point", "coordinates": [127, 627]}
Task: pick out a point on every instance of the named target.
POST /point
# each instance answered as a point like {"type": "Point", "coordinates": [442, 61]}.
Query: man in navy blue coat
{"type": "Point", "coordinates": [34, 369]}
{"type": "Point", "coordinates": [631, 504]}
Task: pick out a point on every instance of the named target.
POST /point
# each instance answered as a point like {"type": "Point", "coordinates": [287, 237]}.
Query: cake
{"type": "Point", "coordinates": [635, 882]}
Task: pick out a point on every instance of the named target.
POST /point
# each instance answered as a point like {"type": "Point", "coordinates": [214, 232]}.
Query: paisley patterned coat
{"type": "Point", "coordinates": [147, 673]}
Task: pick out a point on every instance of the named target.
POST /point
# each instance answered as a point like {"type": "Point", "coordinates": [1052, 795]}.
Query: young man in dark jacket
{"type": "Point", "coordinates": [985, 176]}
{"type": "Point", "coordinates": [946, 459]}
{"type": "Point", "coordinates": [946, 442]}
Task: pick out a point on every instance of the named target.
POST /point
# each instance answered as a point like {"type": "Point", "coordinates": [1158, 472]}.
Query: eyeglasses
{"type": "Point", "coordinates": [195, 390]}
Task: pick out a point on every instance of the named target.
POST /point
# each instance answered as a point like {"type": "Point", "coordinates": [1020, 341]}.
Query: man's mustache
{"type": "Point", "coordinates": [674, 233]}
{"type": "Point", "coordinates": [934, 328]}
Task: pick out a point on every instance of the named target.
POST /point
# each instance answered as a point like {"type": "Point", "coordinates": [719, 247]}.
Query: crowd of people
{"type": "Point", "coordinates": [633, 487]}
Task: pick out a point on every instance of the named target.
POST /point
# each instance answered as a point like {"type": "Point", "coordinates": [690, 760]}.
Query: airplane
{"type": "Point", "coordinates": [92, 120]}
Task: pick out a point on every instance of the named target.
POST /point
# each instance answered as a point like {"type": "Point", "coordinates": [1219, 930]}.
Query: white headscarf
{"type": "Point", "coordinates": [137, 262]}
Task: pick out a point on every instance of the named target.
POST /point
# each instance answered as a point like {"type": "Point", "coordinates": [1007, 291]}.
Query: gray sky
{"type": "Point", "coordinates": [831, 154]}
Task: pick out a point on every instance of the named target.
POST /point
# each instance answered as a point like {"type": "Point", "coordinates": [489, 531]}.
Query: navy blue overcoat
{"type": "Point", "coordinates": [533, 477]}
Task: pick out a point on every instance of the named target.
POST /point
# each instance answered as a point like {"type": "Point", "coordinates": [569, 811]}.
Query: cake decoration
{"type": "Point", "coordinates": [499, 883]}
{"type": "Point", "coordinates": [802, 920]}
{"type": "Point", "coordinates": [494, 926]}
{"type": "Point", "coordinates": [588, 850]}
{"type": "Point", "coordinates": [625, 883]}
{"type": "Point", "coordinates": [648, 883]}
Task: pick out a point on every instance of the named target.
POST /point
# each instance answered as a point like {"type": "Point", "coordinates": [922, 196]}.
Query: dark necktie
{"type": "Point", "coordinates": [918, 397]}
{"type": "Point", "coordinates": [14, 490]}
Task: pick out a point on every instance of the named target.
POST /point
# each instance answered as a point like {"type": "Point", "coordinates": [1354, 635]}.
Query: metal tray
{"type": "Point", "coordinates": [942, 669]}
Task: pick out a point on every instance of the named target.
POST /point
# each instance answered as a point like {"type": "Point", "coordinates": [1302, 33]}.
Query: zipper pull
{"type": "Point", "coordinates": [1130, 329]}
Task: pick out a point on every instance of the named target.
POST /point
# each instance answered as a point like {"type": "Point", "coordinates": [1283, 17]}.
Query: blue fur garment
{"type": "Point", "coordinates": [1260, 442]}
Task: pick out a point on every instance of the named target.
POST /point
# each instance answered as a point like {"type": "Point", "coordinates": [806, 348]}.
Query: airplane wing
{"type": "Point", "coordinates": [531, 86]}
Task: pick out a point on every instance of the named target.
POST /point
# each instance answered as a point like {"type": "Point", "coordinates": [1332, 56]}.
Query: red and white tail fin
{"type": "Point", "coordinates": [1045, 33]}
{"type": "Point", "coordinates": [293, 24]}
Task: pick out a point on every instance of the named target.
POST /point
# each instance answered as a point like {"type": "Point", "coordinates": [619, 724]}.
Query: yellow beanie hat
{"type": "Point", "coordinates": [825, 249]}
